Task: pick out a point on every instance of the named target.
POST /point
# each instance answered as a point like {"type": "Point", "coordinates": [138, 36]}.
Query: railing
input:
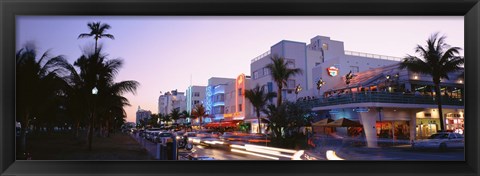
{"type": "Point", "coordinates": [261, 56]}
{"type": "Point", "coordinates": [375, 56]}
{"type": "Point", "coordinates": [379, 97]}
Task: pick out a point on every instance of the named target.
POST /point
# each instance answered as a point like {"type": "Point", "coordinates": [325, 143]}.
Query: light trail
{"type": "Point", "coordinates": [271, 148]}
{"type": "Point", "coordinates": [332, 156]}
{"type": "Point", "coordinates": [255, 154]}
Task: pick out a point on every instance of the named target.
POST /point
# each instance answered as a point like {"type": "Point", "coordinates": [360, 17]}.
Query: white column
{"type": "Point", "coordinates": [368, 120]}
{"type": "Point", "coordinates": [413, 124]}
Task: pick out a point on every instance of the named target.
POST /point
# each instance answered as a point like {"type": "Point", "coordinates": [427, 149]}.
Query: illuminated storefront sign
{"type": "Point", "coordinates": [332, 71]}
{"type": "Point", "coordinates": [231, 115]}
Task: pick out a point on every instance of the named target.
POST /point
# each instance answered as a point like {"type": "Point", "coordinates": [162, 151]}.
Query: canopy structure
{"type": "Point", "coordinates": [222, 124]}
{"type": "Point", "coordinates": [343, 122]}
{"type": "Point", "coordinates": [322, 122]}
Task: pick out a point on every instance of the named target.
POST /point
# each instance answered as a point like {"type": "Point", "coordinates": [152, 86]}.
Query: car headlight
{"type": "Point", "coordinates": [178, 137]}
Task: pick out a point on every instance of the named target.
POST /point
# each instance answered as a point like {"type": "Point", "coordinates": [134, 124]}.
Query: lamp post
{"type": "Point", "coordinates": [320, 83]}
{"type": "Point", "coordinates": [297, 90]}
{"type": "Point", "coordinates": [92, 118]}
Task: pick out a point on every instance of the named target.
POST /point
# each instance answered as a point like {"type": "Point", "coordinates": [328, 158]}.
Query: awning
{"type": "Point", "coordinates": [343, 122]}
{"type": "Point", "coordinates": [222, 124]}
{"type": "Point", "coordinates": [322, 122]}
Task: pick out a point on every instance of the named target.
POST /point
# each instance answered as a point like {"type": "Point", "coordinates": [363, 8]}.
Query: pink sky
{"type": "Point", "coordinates": [162, 52]}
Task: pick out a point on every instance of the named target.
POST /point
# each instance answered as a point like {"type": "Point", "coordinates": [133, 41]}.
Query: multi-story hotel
{"type": "Point", "coordinates": [374, 96]}
{"type": "Point", "coordinates": [313, 59]}
{"type": "Point", "coordinates": [195, 95]}
{"type": "Point", "coordinates": [142, 115]}
{"type": "Point", "coordinates": [215, 98]}
{"type": "Point", "coordinates": [171, 100]}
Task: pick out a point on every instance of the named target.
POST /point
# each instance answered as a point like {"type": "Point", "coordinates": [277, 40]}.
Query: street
{"type": "Point", "coordinates": [201, 150]}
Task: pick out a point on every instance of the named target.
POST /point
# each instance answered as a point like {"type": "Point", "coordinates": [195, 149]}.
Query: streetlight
{"type": "Point", "coordinates": [348, 77]}
{"type": "Point", "coordinates": [297, 90]}
{"type": "Point", "coordinates": [90, 135]}
{"type": "Point", "coordinates": [320, 83]}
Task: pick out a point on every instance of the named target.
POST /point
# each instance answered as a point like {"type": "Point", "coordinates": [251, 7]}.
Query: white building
{"type": "Point", "coordinates": [195, 95]}
{"type": "Point", "coordinates": [313, 59]}
{"type": "Point", "coordinates": [171, 100]}
{"type": "Point", "coordinates": [142, 115]}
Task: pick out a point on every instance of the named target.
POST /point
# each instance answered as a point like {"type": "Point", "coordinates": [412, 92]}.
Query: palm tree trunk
{"type": "Point", "coordinates": [259, 122]}
{"type": "Point", "coordinates": [279, 96]}
{"type": "Point", "coordinates": [90, 132]}
{"type": "Point", "coordinates": [23, 135]}
{"type": "Point", "coordinates": [439, 103]}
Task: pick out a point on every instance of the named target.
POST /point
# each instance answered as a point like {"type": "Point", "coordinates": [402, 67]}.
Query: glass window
{"type": "Point", "coordinates": [266, 71]}
{"type": "Point", "coordinates": [354, 69]}
{"type": "Point", "coordinates": [240, 92]}
{"type": "Point", "coordinates": [255, 75]}
{"type": "Point", "coordinates": [290, 63]}
{"type": "Point", "coordinates": [239, 107]}
{"type": "Point", "coordinates": [196, 94]}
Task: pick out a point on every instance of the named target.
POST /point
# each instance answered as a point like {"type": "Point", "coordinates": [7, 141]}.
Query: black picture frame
{"type": "Point", "coordinates": [470, 9]}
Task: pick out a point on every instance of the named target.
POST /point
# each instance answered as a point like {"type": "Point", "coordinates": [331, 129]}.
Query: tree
{"type": "Point", "coordinates": [97, 71]}
{"type": "Point", "coordinates": [175, 114]}
{"type": "Point", "coordinates": [37, 84]}
{"type": "Point", "coordinates": [259, 99]}
{"type": "Point", "coordinates": [185, 115]}
{"type": "Point", "coordinates": [199, 112]}
{"type": "Point", "coordinates": [281, 73]}
{"type": "Point", "coordinates": [97, 31]}
{"type": "Point", "coordinates": [437, 59]}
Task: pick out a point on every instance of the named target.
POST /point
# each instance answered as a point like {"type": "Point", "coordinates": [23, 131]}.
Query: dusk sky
{"type": "Point", "coordinates": [163, 53]}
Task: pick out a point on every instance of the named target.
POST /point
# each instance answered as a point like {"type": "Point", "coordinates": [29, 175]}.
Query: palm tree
{"type": "Point", "coordinates": [175, 115]}
{"type": "Point", "coordinates": [437, 59]}
{"type": "Point", "coordinates": [97, 71]}
{"type": "Point", "coordinates": [281, 73]}
{"type": "Point", "coordinates": [37, 83]}
{"type": "Point", "coordinates": [185, 115]}
{"type": "Point", "coordinates": [259, 99]}
{"type": "Point", "coordinates": [199, 112]}
{"type": "Point", "coordinates": [97, 30]}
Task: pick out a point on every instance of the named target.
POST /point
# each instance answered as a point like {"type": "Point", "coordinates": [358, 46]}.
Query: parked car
{"type": "Point", "coordinates": [441, 141]}
{"type": "Point", "coordinates": [161, 137]}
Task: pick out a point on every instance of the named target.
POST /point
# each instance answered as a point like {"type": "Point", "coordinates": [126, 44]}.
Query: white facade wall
{"type": "Point", "coordinates": [195, 94]}
{"type": "Point", "coordinates": [168, 101]}
{"type": "Point", "coordinates": [314, 59]}
{"type": "Point", "coordinates": [142, 114]}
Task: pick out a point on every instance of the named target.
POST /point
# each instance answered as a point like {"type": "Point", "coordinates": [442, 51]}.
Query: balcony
{"type": "Point", "coordinates": [375, 56]}
{"type": "Point", "coordinates": [379, 97]}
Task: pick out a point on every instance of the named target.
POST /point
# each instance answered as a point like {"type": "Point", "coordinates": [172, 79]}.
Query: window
{"type": "Point", "coordinates": [290, 63]}
{"type": "Point", "coordinates": [196, 94]}
{"type": "Point", "coordinates": [266, 71]}
{"type": "Point", "coordinates": [239, 107]}
{"type": "Point", "coordinates": [354, 69]}
{"type": "Point", "coordinates": [255, 75]}
{"type": "Point", "coordinates": [317, 63]}
{"type": "Point", "coordinates": [195, 102]}
{"type": "Point", "coordinates": [240, 92]}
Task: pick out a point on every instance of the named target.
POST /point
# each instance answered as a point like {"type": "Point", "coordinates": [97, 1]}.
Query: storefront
{"type": "Point", "coordinates": [393, 129]}
{"type": "Point", "coordinates": [455, 122]}
{"type": "Point", "coordinates": [426, 127]}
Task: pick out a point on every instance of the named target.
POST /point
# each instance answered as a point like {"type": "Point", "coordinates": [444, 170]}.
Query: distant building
{"type": "Point", "coordinates": [171, 100]}
{"type": "Point", "coordinates": [142, 115]}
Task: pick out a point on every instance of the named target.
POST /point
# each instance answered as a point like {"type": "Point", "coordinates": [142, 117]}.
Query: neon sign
{"type": "Point", "coordinates": [332, 71]}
